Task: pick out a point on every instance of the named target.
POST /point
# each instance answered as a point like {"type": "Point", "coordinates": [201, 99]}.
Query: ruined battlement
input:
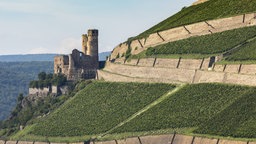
{"type": "Point", "coordinates": [80, 64]}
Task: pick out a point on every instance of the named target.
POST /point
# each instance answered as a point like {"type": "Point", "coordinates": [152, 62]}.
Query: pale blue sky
{"type": "Point", "coordinates": [55, 26]}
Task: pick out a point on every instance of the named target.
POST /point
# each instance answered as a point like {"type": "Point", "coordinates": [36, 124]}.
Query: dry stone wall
{"type": "Point", "coordinates": [181, 139]}
{"type": "Point", "coordinates": [199, 140]}
{"type": "Point", "coordinates": [183, 32]}
{"type": "Point", "coordinates": [156, 139]}
{"type": "Point", "coordinates": [129, 141]}
{"type": "Point", "coordinates": [178, 71]}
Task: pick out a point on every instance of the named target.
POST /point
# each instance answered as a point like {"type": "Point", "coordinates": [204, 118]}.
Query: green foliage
{"type": "Point", "coordinates": [46, 80]}
{"type": "Point", "coordinates": [99, 107]}
{"type": "Point", "coordinates": [15, 78]}
{"type": "Point", "coordinates": [210, 10]}
{"type": "Point", "coordinates": [128, 52]}
{"type": "Point", "coordinates": [244, 53]}
{"type": "Point", "coordinates": [118, 56]}
{"type": "Point", "coordinates": [208, 44]}
{"type": "Point", "coordinates": [189, 107]}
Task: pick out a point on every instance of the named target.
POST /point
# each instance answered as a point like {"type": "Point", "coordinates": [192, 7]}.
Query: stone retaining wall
{"type": "Point", "coordinates": [164, 73]}
{"type": "Point", "coordinates": [156, 139]}
{"type": "Point", "coordinates": [183, 32]}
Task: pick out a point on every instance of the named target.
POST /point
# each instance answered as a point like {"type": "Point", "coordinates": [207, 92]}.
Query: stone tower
{"type": "Point", "coordinates": [84, 43]}
{"type": "Point", "coordinates": [92, 46]}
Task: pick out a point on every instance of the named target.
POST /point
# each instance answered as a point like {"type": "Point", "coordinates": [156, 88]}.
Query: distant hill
{"type": "Point", "coordinates": [39, 57]}
{"type": "Point", "coordinates": [15, 78]}
{"type": "Point", "coordinates": [26, 58]}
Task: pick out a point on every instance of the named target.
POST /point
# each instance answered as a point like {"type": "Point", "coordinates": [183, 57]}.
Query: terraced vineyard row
{"type": "Point", "coordinates": [213, 9]}
{"type": "Point", "coordinates": [244, 53]}
{"type": "Point", "coordinates": [99, 107]}
{"type": "Point", "coordinates": [216, 109]}
{"type": "Point", "coordinates": [208, 44]}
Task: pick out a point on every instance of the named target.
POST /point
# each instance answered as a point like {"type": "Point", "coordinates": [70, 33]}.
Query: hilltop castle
{"type": "Point", "coordinates": [80, 65]}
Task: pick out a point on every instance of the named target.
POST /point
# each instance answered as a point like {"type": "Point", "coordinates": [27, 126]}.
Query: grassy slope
{"type": "Point", "coordinates": [212, 9]}
{"type": "Point", "coordinates": [99, 107]}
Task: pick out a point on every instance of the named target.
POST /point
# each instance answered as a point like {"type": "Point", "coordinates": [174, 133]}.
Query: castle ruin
{"type": "Point", "coordinates": [80, 64]}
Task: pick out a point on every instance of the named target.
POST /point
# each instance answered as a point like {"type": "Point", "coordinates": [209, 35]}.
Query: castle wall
{"type": "Point", "coordinates": [39, 92]}
{"type": "Point", "coordinates": [183, 32]}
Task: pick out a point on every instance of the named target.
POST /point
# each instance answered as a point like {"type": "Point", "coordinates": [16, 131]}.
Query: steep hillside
{"type": "Point", "coordinates": [209, 10]}
{"type": "Point", "coordinates": [205, 46]}
{"type": "Point", "coordinates": [189, 108]}
{"type": "Point", "coordinates": [112, 110]}
{"type": "Point", "coordinates": [99, 107]}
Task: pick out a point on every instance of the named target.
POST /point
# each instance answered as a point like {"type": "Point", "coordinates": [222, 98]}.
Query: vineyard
{"type": "Point", "coordinates": [210, 10]}
{"type": "Point", "coordinates": [99, 107]}
{"type": "Point", "coordinates": [208, 44]}
{"type": "Point", "coordinates": [237, 120]}
{"type": "Point", "coordinates": [192, 106]}
{"type": "Point", "coordinates": [244, 53]}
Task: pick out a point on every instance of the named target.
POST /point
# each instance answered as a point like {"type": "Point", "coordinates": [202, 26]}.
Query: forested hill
{"type": "Point", "coordinates": [29, 57]}
{"type": "Point", "coordinates": [39, 57]}
{"type": "Point", "coordinates": [15, 78]}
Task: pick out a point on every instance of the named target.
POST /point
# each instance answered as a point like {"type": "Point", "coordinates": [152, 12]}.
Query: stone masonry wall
{"type": "Point", "coordinates": [156, 139]}
{"type": "Point", "coordinates": [179, 71]}
{"type": "Point", "coordinates": [183, 32]}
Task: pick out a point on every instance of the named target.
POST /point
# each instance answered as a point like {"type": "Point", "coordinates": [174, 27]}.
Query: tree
{"type": "Point", "coordinates": [42, 76]}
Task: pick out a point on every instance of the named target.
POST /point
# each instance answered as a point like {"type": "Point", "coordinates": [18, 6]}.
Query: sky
{"type": "Point", "coordinates": [56, 26]}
